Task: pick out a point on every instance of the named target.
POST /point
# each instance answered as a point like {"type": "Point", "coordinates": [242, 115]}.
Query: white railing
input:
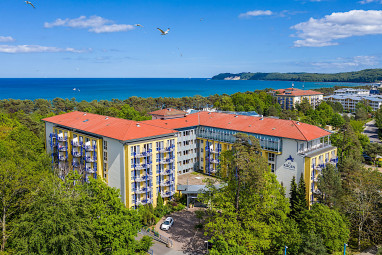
{"type": "Point", "coordinates": [62, 158]}
{"type": "Point", "coordinates": [167, 194]}
{"type": "Point", "coordinates": [76, 154]}
{"type": "Point", "coordinates": [62, 138]}
{"type": "Point", "coordinates": [167, 183]}
{"type": "Point", "coordinates": [90, 159]}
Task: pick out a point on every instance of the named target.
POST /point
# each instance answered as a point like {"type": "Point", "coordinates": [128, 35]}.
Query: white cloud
{"type": "Point", "coordinates": [6, 39]}
{"type": "Point", "coordinates": [111, 28]}
{"type": "Point", "coordinates": [34, 48]}
{"type": "Point", "coordinates": [94, 24]}
{"type": "Point", "coordinates": [256, 13]}
{"type": "Point", "coordinates": [338, 25]}
{"type": "Point", "coordinates": [370, 1]}
{"type": "Point", "coordinates": [344, 63]}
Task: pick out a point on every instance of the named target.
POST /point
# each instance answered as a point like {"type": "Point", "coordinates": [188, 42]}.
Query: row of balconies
{"type": "Point", "coordinates": [142, 154]}
{"type": "Point", "coordinates": [168, 160]}
{"type": "Point", "coordinates": [216, 150]}
{"type": "Point", "coordinates": [143, 201]}
{"type": "Point", "coordinates": [166, 149]}
{"type": "Point", "coordinates": [167, 194]}
{"type": "Point", "coordinates": [142, 190]}
{"type": "Point", "coordinates": [167, 171]}
{"type": "Point", "coordinates": [141, 178]}
{"type": "Point", "coordinates": [142, 166]}
{"type": "Point", "coordinates": [167, 183]}
{"type": "Point", "coordinates": [322, 165]}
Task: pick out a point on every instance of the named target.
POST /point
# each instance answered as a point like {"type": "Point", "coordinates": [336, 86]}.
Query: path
{"type": "Point", "coordinates": [160, 248]}
{"type": "Point", "coordinates": [371, 131]}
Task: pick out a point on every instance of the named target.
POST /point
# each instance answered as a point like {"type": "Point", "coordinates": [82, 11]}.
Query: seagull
{"type": "Point", "coordinates": [164, 32]}
{"type": "Point", "coordinates": [138, 25]}
{"type": "Point", "coordinates": [27, 2]}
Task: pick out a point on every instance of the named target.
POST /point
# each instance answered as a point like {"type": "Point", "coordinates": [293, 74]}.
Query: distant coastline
{"type": "Point", "coordinates": [364, 76]}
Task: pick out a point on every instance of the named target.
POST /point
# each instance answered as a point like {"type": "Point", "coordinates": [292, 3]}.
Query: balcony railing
{"type": "Point", "coordinates": [161, 150]}
{"type": "Point", "coordinates": [62, 138]}
{"type": "Point", "coordinates": [167, 160]}
{"type": "Point", "coordinates": [146, 201]}
{"type": "Point", "coordinates": [63, 148]}
{"type": "Point", "coordinates": [91, 170]}
{"type": "Point", "coordinates": [167, 172]}
{"type": "Point", "coordinates": [316, 191]}
{"type": "Point", "coordinates": [170, 148]}
{"type": "Point", "coordinates": [215, 161]}
{"type": "Point", "coordinates": [142, 154]}
{"type": "Point", "coordinates": [90, 159]}
{"type": "Point", "coordinates": [62, 158]}
{"type": "Point", "coordinates": [76, 154]}
{"type": "Point", "coordinates": [141, 178]}
{"type": "Point", "coordinates": [167, 194]}
{"type": "Point", "coordinates": [315, 147]}
{"type": "Point", "coordinates": [212, 150]}
{"type": "Point", "coordinates": [89, 147]}
{"type": "Point", "coordinates": [75, 164]}
{"type": "Point", "coordinates": [76, 143]}
{"type": "Point", "coordinates": [142, 190]}
{"type": "Point", "coordinates": [167, 183]}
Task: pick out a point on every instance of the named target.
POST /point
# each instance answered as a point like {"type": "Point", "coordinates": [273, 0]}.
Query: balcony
{"type": "Point", "coordinates": [170, 148]}
{"type": "Point", "coordinates": [75, 143]}
{"type": "Point", "coordinates": [167, 194]}
{"type": "Point", "coordinates": [211, 170]}
{"type": "Point", "coordinates": [62, 138]}
{"type": "Point", "coordinates": [146, 201]}
{"type": "Point", "coordinates": [316, 191]}
{"type": "Point", "coordinates": [167, 160]}
{"type": "Point", "coordinates": [167, 183]}
{"type": "Point", "coordinates": [62, 148]}
{"type": "Point", "coordinates": [142, 190]}
{"type": "Point", "coordinates": [62, 158]}
{"type": "Point", "coordinates": [142, 154]}
{"type": "Point", "coordinates": [76, 164]}
{"type": "Point", "coordinates": [76, 154]}
{"type": "Point", "coordinates": [216, 150]}
{"type": "Point", "coordinates": [141, 178]}
{"type": "Point", "coordinates": [215, 161]}
{"type": "Point", "coordinates": [161, 150]}
{"type": "Point", "coordinates": [90, 159]}
{"type": "Point", "coordinates": [138, 166]}
{"type": "Point", "coordinates": [167, 172]}
{"type": "Point", "coordinates": [90, 170]}
{"type": "Point", "coordinates": [89, 147]}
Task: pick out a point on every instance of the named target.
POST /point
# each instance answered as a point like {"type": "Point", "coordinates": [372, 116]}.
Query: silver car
{"type": "Point", "coordinates": [166, 225]}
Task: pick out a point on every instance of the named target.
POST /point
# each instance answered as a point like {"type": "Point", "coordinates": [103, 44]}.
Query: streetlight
{"type": "Point", "coordinates": [345, 244]}
{"type": "Point", "coordinates": [286, 247]}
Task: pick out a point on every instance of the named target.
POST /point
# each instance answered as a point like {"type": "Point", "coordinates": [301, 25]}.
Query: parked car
{"type": "Point", "coordinates": [166, 225]}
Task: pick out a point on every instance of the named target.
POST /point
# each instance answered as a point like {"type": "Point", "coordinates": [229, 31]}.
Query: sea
{"type": "Point", "coordinates": [89, 89]}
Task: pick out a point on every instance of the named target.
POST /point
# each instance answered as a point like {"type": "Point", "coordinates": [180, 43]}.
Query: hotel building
{"type": "Point", "coordinates": [288, 98]}
{"type": "Point", "coordinates": [349, 101]}
{"type": "Point", "coordinates": [143, 159]}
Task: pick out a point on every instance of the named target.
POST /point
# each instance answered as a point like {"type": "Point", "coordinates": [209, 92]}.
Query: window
{"type": "Point", "coordinates": [105, 145]}
{"type": "Point", "coordinates": [105, 156]}
{"type": "Point", "coordinates": [272, 167]}
{"type": "Point", "coordinates": [271, 157]}
{"type": "Point", "coordinates": [105, 168]}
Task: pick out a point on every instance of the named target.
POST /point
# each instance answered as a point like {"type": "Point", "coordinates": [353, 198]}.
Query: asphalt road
{"type": "Point", "coordinates": [371, 131]}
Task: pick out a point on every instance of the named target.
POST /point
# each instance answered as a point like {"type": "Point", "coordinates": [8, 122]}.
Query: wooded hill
{"type": "Point", "coordinates": [367, 75]}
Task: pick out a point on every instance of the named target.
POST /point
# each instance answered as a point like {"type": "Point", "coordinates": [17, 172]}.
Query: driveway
{"type": "Point", "coordinates": [186, 238]}
{"type": "Point", "coordinates": [371, 131]}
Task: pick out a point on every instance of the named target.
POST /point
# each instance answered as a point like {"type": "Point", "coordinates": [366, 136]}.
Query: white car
{"type": "Point", "coordinates": [166, 225]}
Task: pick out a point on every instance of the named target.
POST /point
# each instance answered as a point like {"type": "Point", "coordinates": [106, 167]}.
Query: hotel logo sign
{"type": "Point", "coordinates": [290, 164]}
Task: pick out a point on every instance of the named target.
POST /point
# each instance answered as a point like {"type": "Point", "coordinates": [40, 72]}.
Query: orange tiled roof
{"type": "Point", "coordinates": [296, 92]}
{"type": "Point", "coordinates": [257, 125]}
{"type": "Point", "coordinates": [167, 112]}
{"type": "Point", "coordinates": [116, 128]}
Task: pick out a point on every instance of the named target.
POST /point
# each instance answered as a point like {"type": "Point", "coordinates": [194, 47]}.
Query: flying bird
{"type": "Point", "coordinates": [138, 25]}
{"type": "Point", "coordinates": [164, 32]}
{"type": "Point", "coordinates": [201, 19]}
{"type": "Point", "coordinates": [27, 2]}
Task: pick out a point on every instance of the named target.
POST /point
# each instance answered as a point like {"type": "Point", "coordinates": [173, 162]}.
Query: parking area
{"type": "Point", "coordinates": [185, 236]}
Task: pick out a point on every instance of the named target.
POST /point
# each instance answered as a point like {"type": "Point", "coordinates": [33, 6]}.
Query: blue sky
{"type": "Point", "coordinates": [100, 38]}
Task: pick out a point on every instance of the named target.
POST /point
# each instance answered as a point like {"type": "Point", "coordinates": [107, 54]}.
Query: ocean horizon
{"type": "Point", "coordinates": [89, 89]}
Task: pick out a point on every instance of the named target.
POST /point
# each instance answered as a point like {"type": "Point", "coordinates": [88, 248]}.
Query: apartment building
{"type": "Point", "coordinates": [136, 158]}
{"type": "Point", "coordinates": [350, 91]}
{"type": "Point", "coordinates": [349, 102]}
{"type": "Point", "coordinates": [290, 97]}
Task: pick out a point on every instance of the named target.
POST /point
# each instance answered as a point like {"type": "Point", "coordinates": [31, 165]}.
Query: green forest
{"type": "Point", "coordinates": [367, 75]}
{"type": "Point", "coordinates": [251, 214]}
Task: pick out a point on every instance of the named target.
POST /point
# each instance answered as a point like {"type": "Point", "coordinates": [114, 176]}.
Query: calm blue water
{"type": "Point", "coordinates": [120, 88]}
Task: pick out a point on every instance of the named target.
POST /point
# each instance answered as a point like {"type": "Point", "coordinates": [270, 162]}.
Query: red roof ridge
{"type": "Point", "coordinates": [294, 122]}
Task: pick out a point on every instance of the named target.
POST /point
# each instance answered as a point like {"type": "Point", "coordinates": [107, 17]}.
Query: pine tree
{"type": "Point", "coordinates": [293, 197]}
{"type": "Point", "coordinates": [301, 204]}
